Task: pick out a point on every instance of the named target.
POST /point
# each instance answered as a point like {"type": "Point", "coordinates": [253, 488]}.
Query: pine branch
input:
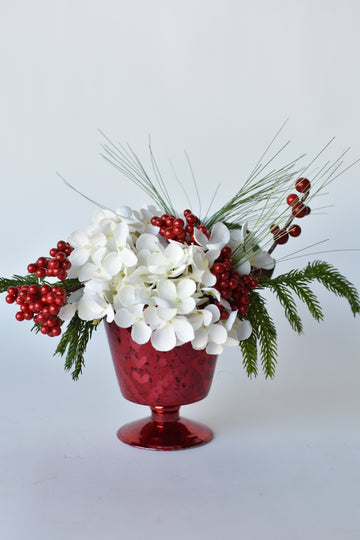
{"type": "Point", "coordinates": [29, 279]}
{"type": "Point", "coordinates": [324, 273]}
{"type": "Point", "coordinates": [288, 303]}
{"type": "Point", "coordinates": [249, 352]}
{"type": "Point", "coordinates": [264, 332]}
{"type": "Point", "coordinates": [74, 342]}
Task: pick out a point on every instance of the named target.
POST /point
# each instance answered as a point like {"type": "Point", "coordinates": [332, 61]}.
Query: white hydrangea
{"type": "Point", "coordinates": [163, 290]}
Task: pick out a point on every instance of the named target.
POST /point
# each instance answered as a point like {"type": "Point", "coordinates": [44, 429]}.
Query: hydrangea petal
{"type": "Point", "coordinates": [140, 332]}
{"type": "Point", "coordinates": [217, 334]}
{"type": "Point", "coordinates": [164, 339]}
{"type": "Point", "coordinates": [183, 329]}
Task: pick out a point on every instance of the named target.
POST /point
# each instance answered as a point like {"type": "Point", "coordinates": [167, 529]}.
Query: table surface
{"type": "Point", "coordinates": [284, 462]}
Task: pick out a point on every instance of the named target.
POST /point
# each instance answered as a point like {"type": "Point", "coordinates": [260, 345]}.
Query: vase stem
{"type": "Point", "coordinates": [160, 415]}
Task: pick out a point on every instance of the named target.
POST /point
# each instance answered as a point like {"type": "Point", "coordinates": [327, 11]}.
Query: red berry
{"type": "Point", "coordinates": [60, 256]}
{"type": "Point", "coordinates": [10, 299]}
{"type": "Point", "coordinates": [12, 291]}
{"type": "Point", "coordinates": [178, 222]}
{"type": "Point", "coordinates": [299, 210]}
{"type": "Point", "coordinates": [40, 272]}
{"type": "Point", "coordinates": [243, 309]}
{"type": "Point", "coordinates": [203, 229]}
{"type": "Point", "coordinates": [294, 230]}
{"type": "Point", "coordinates": [53, 263]}
{"type": "Point", "coordinates": [226, 251]}
{"type": "Point", "coordinates": [56, 331]}
{"type": "Point", "coordinates": [302, 185]}
{"type": "Point", "coordinates": [292, 199]}
{"type": "Point", "coordinates": [42, 262]}
{"type": "Point", "coordinates": [44, 329]}
{"type": "Point", "coordinates": [61, 245]}
{"type": "Point", "coordinates": [191, 219]}
{"type": "Point", "coordinates": [60, 301]}
{"type": "Point", "coordinates": [189, 229]}
{"type": "Point", "coordinates": [33, 289]}
{"type": "Point", "coordinates": [187, 212]}
{"type": "Point", "coordinates": [28, 315]}
{"type": "Point", "coordinates": [282, 237]}
{"type": "Point", "coordinates": [154, 220]}
{"type": "Point", "coordinates": [218, 268]}
{"type": "Point", "coordinates": [54, 309]}
{"type": "Point", "coordinates": [169, 221]}
{"type": "Point", "coordinates": [177, 230]}
{"type": "Point", "coordinates": [19, 316]}
{"type": "Point", "coordinates": [246, 279]}
{"type": "Point", "coordinates": [274, 229]}
{"type": "Point", "coordinates": [53, 252]}
{"type": "Point", "coordinates": [60, 273]}
{"type": "Point", "coordinates": [308, 210]}
{"type": "Point", "coordinates": [66, 264]}
{"type": "Point", "coordinates": [253, 284]}
{"type": "Point", "coordinates": [44, 289]}
{"type": "Point", "coordinates": [41, 318]}
{"type": "Point", "coordinates": [32, 268]}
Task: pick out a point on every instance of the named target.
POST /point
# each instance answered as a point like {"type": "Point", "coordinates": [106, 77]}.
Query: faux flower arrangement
{"type": "Point", "coordinates": [174, 278]}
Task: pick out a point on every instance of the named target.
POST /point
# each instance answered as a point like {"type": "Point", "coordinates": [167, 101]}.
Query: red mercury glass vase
{"type": "Point", "coordinates": [163, 381]}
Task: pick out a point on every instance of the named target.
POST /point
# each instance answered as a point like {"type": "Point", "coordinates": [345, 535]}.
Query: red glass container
{"type": "Point", "coordinates": [164, 381]}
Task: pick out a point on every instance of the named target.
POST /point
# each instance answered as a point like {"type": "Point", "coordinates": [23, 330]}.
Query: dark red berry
{"type": "Point", "coordinates": [61, 245]}
{"type": "Point", "coordinates": [178, 222]}
{"type": "Point", "coordinates": [40, 272]}
{"type": "Point", "coordinates": [42, 262]}
{"type": "Point", "coordinates": [44, 329]}
{"type": "Point", "coordinates": [282, 237]}
{"type": "Point", "coordinates": [226, 251]}
{"type": "Point", "coordinates": [187, 212]}
{"type": "Point", "coordinates": [12, 291]}
{"type": "Point", "coordinates": [302, 185]}
{"type": "Point", "coordinates": [32, 268]}
{"type": "Point", "coordinates": [10, 299]}
{"type": "Point", "coordinates": [19, 316]}
{"type": "Point", "coordinates": [191, 219]}
{"type": "Point", "coordinates": [53, 252]}
{"type": "Point", "coordinates": [292, 199]}
{"type": "Point", "coordinates": [299, 210]}
{"type": "Point", "coordinates": [294, 230]}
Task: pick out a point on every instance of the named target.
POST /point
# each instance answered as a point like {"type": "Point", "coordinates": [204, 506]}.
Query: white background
{"type": "Point", "coordinates": [216, 79]}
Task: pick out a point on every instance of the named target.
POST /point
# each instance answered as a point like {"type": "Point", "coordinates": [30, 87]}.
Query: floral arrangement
{"type": "Point", "coordinates": [174, 278]}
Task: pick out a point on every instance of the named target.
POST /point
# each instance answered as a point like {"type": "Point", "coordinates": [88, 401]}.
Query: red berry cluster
{"type": "Point", "coordinates": [57, 266]}
{"type": "Point", "coordinates": [298, 210]}
{"type": "Point", "coordinates": [231, 285]}
{"type": "Point", "coordinates": [181, 230]}
{"type": "Point", "coordinates": [41, 303]}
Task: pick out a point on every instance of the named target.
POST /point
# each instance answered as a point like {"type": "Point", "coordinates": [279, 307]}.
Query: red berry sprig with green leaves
{"type": "Point", "coordinates": [42, 302]}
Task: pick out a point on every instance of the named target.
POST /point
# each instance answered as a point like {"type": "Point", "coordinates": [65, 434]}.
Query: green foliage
{"type": "Point", "coordinates": [16, 280]}
{"type": "Point", "coordinates": [285, 286]}
{"type": "Point", "coordinates": [298, 281]}
{"type": "Point", "coordinates": [263, 335]}
{"type": "Point", "coordinates": [73, 342]}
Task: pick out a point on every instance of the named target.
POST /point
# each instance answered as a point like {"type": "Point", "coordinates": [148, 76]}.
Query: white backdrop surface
{"type": "Point", "coordinates": [216, 79]}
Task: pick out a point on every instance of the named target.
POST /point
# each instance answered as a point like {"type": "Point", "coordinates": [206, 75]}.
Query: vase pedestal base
{"type": "Point", "coordinates": [165, 430]}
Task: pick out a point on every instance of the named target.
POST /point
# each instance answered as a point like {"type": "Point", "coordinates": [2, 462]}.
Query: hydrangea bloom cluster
{"type": "Point", "coordinates": [164, 289]}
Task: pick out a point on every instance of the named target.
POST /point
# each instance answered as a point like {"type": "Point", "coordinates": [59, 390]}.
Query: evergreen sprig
{"type": "Point", "coordinates": [73, 342]}
{"type": "Point", "coordinates": [298, 281]}
{"type": "Point", "coordinates": [263, 335]}
{"type": "Point", "coordinates": [16, 280]}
